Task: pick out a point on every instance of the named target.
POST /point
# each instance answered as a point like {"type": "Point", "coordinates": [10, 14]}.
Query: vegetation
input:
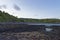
{"type": "Point", "coordinates": [41, 20]}
{"type": "Point", "coordinates": [5, 17]}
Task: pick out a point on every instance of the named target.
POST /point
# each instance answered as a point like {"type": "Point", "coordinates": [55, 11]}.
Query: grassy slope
{"type": "Point", "coordinates": [5, 17]}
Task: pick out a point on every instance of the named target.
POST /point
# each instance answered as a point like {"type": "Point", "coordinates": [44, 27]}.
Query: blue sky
{"type": "Point", "coordinates": [32, 8]}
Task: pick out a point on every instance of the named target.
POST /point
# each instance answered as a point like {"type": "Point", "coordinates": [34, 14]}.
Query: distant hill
{"type": "Point", "coordinates": [51, 20]}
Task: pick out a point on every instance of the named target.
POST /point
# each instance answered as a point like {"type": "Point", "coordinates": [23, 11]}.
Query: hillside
{"type": "Point", "coordinates": [5, 17]}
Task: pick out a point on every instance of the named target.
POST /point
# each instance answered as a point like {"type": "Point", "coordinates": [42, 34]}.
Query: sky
{"type": "Point", "coordinates": [37, 9]}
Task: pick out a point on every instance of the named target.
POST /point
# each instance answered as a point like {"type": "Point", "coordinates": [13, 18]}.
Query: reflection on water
{"type": "Point", "coordinates": [48, 29]}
